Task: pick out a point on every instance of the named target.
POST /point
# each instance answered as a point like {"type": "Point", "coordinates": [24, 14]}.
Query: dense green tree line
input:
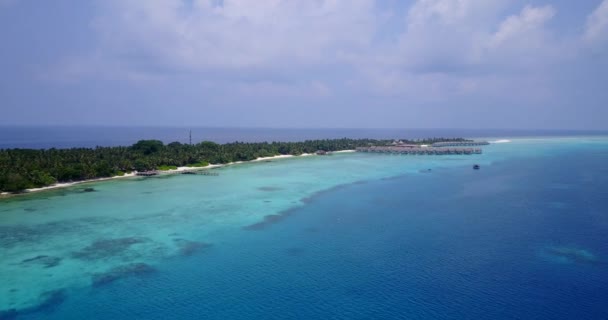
{"type": "Point", "coordinates": [22, 169]}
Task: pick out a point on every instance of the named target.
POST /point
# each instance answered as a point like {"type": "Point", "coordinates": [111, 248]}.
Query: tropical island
{"type": "Point", "coordinates": [22, 169]}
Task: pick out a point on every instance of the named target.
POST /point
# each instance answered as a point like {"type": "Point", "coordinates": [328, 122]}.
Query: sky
{"type": "Point", "coordinates": [510, 64]}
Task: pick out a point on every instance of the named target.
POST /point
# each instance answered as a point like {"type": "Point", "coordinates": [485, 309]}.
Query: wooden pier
{"type": "Point", "coordinates": [459, 144]}
{"type": "Point", "coordinates": [197, 172]}
{"type": "Point", "coordinates": [419, 150]}
{"type": "Point", "coordinates": [200, 172]}
{"type": "Point", "coordinates": [147, 173]}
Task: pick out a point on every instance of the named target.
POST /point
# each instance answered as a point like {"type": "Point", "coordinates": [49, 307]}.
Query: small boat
{"type": "Point", "coordinates": [476, 167]}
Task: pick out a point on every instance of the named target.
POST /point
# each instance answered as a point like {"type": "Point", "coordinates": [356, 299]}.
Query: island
{"type": "Point", "coordinates": [23, 169]}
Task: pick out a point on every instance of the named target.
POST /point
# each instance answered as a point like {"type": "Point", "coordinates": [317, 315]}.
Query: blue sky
{"type": "Point", "coordinates": [305, 63]}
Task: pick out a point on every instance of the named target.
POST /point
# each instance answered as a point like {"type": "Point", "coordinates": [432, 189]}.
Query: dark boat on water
{"type": "Point", "coordinates": [476, 167]}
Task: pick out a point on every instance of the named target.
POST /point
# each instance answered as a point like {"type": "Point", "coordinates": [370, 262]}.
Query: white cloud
{"type": "Point", "coordinates": [446, 34]}
{"type": "Point", "coordinates": [524, 41]}
{"type": "Point", "coordinates": [524, 28]}
{"type": "Point", "coordinates": [453, 12]}
{"type": "Point", "coordinates": [235, 33]}
{"type": "Point", "coordinates": [597, 24]}
{"type": "Point", "coordinates": [434, 50]}
{"type": "Point", "coordinates": [450, 47]}
{"type": "Point", "coordinates": [455, 35]}
{"type": "Point", "coordinates": [297, 35]}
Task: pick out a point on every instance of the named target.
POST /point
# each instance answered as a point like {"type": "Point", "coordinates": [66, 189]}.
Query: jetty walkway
{"type": "Point", "coordinates": [459, 144]}
{"type": "Point", "coordinates": [203, 172]}
{"type": "Point", "coordinates": [419, 150]}
{"type": "Point", "coordinates": [147, 173]}
{"type": "Point", "coordinates": [200, 172]}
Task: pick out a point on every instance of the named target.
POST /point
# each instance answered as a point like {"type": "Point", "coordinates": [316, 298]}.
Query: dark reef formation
{"type": "Point", "coordinates": [14, 235]}
{"type": "Point", "coordinates": [11, 235]}
{"type": "Point", "coordinates": [576, 255]}
{"type": "Point", "coordinates": [49, 301]}
{"type": "Point", "coordinates": [120, 272]}
{"type": "Point", "coordinates": [268, 220]}
{"type": "Point", "coordinates": [188, 247]}
{"type": "Point", "coordinates": [269, 188]}
{"type": "Point", "coordinates": [106, 248]}
{"type": "Point", "coordinates": [46, 261]}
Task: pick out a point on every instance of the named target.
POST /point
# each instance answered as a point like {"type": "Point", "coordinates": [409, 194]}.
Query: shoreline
{"type": "Point", "coordinates": [172, 171]}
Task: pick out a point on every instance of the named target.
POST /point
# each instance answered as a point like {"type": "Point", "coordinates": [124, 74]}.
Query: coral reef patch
{"type": "Point", "coordinates": [188, 247]}
{"type": "Point", "coordinates": [573, 255]}
{"type": "Point", "coordinates": [46, 261]}
{"type": "Point", "coordinates": [120, 272]}
{"type": "Point", "coordinates": [269, 188]}
{"type": "Point", "coordinates": [269, 220]}
{"type": "Point", "coordinates": [49, 301]}
{"type": "Point", "coordinates": [106, 248]}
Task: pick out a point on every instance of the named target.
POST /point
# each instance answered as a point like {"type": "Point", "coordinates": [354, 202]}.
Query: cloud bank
{"type": "Point", "coordinates": [454, 56]}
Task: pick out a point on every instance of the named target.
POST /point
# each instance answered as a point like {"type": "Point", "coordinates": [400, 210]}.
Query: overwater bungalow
{"type": "Point", "coordinates": [419, 151]}
{"type": "Point", "coordinates": [460, 143]}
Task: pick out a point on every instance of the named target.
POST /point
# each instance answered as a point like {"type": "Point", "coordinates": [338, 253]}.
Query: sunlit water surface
{"type": "Point", "coordinates": [346, 236]}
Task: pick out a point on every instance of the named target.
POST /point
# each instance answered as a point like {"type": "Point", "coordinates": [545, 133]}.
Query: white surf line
{"type": "Point", "coordinates": [501, 141]}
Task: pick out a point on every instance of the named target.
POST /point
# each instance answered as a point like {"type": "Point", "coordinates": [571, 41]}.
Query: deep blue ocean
{"type": "Point", "coordinates": [525, 237]}
{"type": "Point", "coordinates": [454, 244]}
{"type": "Point", "coordinates": [69, 137]}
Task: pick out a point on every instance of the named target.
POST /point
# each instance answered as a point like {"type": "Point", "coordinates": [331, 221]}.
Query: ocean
{"type": "Point", "coordinates": [346, 236]}
{"type": "Point", "coordinates": [41, 137]}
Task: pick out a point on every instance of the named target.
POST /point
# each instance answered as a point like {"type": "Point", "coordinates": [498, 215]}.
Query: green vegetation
{"type": "Point", "coordinates": [22, 169]}
{"type": "Point", "coordinates": [166, 168]}
{"type": "Point", "coordinates": [199, 164]}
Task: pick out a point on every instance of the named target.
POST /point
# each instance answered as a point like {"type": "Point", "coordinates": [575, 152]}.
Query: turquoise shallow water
{"type": "Point", "coordinates": [344, 236]}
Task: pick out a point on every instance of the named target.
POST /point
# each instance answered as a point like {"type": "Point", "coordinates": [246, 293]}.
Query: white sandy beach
{"type": "Point", "coordinates": [69, 184]}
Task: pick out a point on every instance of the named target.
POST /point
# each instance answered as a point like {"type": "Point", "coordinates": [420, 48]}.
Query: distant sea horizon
{"type": "Point", "coordinates": [44, 137]}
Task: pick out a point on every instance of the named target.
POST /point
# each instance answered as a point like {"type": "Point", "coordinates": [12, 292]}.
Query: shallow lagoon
{"type": "Point", "coordinates": [343, 236]}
